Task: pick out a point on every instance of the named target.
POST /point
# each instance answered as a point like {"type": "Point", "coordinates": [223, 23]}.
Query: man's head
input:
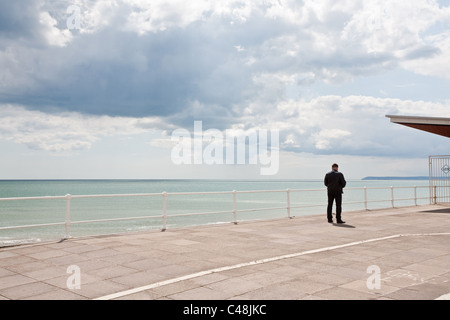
{"type": "Point", "coordinates": [335, 166]}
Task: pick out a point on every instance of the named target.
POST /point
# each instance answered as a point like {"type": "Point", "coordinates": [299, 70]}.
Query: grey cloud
{"type": "Point", "coordinates": [424, 51]}
{"type": "Point", "coordinates": [193, 72]}
{"type": "Point", "coordinates": [18, 19]}
{"type": "Point", "coordinates": [118, 72]}
{"type": "Point", "coordinates": [69, 131]}
{"type": "Point", "coordinates": [353, 125]}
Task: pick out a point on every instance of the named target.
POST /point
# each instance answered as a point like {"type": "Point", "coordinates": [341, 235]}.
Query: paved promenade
{"type": "Point", "coordinates": [401, 253]}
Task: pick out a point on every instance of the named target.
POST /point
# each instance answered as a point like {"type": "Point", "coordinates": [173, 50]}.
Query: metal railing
{"type": "Point", "coordinates": [68, 222]}
{"type": "Point", "coordinates": [439, 176]}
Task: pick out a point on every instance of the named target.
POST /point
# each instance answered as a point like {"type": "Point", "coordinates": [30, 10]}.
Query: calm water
{"type": "Point", "coordinates": [26, 212]}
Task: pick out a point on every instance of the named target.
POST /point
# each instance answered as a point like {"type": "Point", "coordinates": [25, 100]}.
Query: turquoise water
{"type": "Point", "coordinates": [26, 212]}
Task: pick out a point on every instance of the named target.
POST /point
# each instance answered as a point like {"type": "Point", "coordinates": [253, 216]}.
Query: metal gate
{"type": "Point", "coordinates": [439, 167]}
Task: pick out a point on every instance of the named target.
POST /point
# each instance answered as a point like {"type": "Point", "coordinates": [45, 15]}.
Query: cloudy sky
{"type": "Point", "coordinates": [95, 89]}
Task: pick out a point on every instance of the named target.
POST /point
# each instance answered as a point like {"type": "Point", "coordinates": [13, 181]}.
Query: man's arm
{"type": "Point", "coordinates": [325, 181]}
{"type": "Point", "coordinates": [343, 182]}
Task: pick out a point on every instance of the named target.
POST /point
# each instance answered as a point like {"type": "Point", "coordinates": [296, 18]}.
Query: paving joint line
{"type": "Point", "coordinates": [256, 262]}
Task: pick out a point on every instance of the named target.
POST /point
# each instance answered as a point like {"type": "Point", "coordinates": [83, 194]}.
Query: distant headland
{"type": "Point", "coordinates": [397, 178]}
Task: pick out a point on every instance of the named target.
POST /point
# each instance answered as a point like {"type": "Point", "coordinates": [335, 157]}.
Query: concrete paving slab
{"type": "Point", "coordinates": [361, 285]}
{"type": "Point", "coordinates": [266, 278]}
{"type": "Point", "coordinates": [13, 281]}
{"type": "Point", "coordinates": [200, 293]}
{"type": "Point", "coordinates": [234, 286]}
{"type": "Point", "coordinates": [24, 250]}
{"type": "Point", "coordinates": [56, 294]}
{"type": "Point", "coordinates": [146, 264]}
{"type": "Point", "coordinates": [28, 267]}
{"type": "Point", "coordinates": [83, 248]}
{"type": "Point", "coordinates": [49, 253]}
{"type": "Point", "coordinates": [328, 278]}
{"type": "Point", "coordinates": [111, 271]}
{"type": "Point", "coordinates": [67, 260]}
{"type": "Point", "coordinates": [93, 289]}
{"type": "Point", "coordinates": [14, 260]}
{"type": "Point", "coordinates": [410, 294]}
{"type": "Point", "coordinates": [26, 290]}
{"type": "Point", "coordinates": [279, 291]}
{"type": "Point", "coordinates": [137, 279]}
{"type": "Point", "coordinates": [94, 264]}
{"type": "Point", "coordinates": [339, 293]}
{"type": "Point", "coordinates": [290, 270]}
{"type": "Point", "coordinates": [145, 295]}
{"type": "Point", "coordinates": [328, 262]}
{"type": "Point", "coordinates": [308, 286]}
{"type": "Point", "coordinates": [174, 288]}
{"type": "Point", "coordinates": [441, 261]}
{"type": "Point", "coordinates": [443, 280]}
{"type": "Point", "coordinates": [46, 273]}
{"type": "Point", "coordinates": [210, 278]}
{"type": "Point", "coordinates": [312, 297]}
{"type": "Point", "coordinates": [121, 258]}
{"type": "Point", "coordinates": [403, 278]}
{"type": "Point", "coordinates": [5, 272]}
{"type": "Point", "coordinates": [423, 268]}
{"type": "Point", "coordinates": [61, 281]}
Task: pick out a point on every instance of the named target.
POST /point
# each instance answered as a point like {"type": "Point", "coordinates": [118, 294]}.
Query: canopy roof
{"type": "Point", "coordinates": [440, 126]}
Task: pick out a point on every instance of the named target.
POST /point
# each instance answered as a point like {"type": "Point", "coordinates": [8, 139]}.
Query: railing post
{"type": "Point", "coordinates": [288, 208]}
{"type": "Point", "coordinates": [67, 222]}
{"type": "Point", "coordinates": [234, 207]}
{"type": "Point", "coordinates": [435, 194]}
{"type": "Point", "coordinates": [415, 195]}
{"type": "Point", "coordinates": [164, 209]}
{"type": "Point", "coordinates": [365, 197]}
{"type": "Point", "coordinates": [392, 196]}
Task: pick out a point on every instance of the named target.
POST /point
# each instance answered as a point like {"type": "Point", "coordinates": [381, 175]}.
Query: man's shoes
{"type": "Point", "coordinates": [330, 221]}
{"type": "Point", "coordinates": [340, 221]}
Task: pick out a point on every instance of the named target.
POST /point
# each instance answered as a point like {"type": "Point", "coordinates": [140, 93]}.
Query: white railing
{"type": "Point", "coordinates": [67, 223]}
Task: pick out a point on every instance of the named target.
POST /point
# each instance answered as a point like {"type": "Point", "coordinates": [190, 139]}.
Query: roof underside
{"type": "Point", "coordinates": [440, 126]}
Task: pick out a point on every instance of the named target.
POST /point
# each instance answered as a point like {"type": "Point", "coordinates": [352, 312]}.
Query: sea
{"type": "Point", "coordinates": [185, 206]}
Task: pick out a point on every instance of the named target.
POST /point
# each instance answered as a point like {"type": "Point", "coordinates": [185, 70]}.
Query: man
{"type": "Point", "coordinates": [335, 182]}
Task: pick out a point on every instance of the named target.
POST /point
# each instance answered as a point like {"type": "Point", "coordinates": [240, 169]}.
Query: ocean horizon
{"type": "Point", "coordinates": [46, 211]}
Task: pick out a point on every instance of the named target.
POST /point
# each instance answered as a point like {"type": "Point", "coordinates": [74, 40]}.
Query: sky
{"type": "Point", "coordinates": [96, 89]}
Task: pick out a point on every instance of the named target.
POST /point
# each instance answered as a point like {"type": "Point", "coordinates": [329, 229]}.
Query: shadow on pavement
{"type": "Point", "coordinates": [343, 225]}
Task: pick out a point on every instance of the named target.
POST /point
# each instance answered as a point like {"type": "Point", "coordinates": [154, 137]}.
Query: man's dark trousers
{"type": "Point", "coordinates": [332, 196]}
{"type": "Point", "coordinates": [335, 182]}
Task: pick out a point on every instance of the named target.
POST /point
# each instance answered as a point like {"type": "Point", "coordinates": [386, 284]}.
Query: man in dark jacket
{"type": "Point", "coordinates": [335, 182]}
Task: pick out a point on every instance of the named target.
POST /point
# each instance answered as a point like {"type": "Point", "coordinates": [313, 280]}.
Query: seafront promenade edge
{"type": "Point", "coordinates": [396, 253]}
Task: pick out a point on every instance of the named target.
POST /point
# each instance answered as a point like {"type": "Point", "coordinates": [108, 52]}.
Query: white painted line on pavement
{"type": "Point", "coordinates": [255, 262]}
{"type": "Point", "coordinates": [444, 297]}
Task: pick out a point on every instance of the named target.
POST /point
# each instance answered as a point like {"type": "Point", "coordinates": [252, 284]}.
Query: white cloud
{"type": "Point", "coordinates": [164, 64]}
{"type": "Point", "coordinates": [156, 16]}
{"type": "Point", "coordinates": [139, 58]}
{"type": "Point", "coordinates": [53, 35]}
{"type": "Point", "coordinates": [65, 132]}
{"type": "Point", "coordinates": [330, 124]}
{"type": "Point", "coordinates": [439, 64]}
{"type": "Point", "coordinates": [326, 137]}
{"type": "Point", "coordinates": [347, 125]}
{"type": "Point", "coordinates": [394, 26]}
